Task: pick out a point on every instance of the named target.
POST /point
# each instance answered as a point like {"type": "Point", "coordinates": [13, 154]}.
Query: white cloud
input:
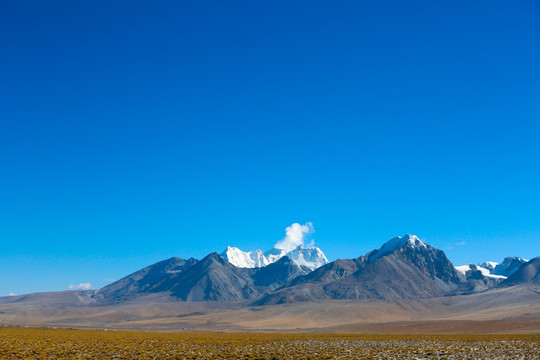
{"type": "Point", "coordinates": [110, 280]}
{"type": "Point", "coordinates": [452, 246]}
{"type": "Point", "coordinates": [12, 294]}
{"type": "Point", "coordinates": [81, 286]}
{"type": "Point", "coordinates": [295, 236]}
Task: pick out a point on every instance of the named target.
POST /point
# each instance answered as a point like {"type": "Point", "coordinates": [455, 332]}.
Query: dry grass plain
{"type": "Point", "coordinates": [29, 343]}
{"type": "Point", "coordinates": [508, 310]}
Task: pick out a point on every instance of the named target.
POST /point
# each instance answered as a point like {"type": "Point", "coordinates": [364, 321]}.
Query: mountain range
{"type": "Point", "coordinates": [403, 270]}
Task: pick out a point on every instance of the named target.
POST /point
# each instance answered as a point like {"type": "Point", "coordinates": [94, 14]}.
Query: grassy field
{"type": "Point", "coordinates": [28, 343]}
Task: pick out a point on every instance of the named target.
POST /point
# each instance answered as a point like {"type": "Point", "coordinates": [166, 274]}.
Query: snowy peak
{"type": "Point", "coordinates": [311, 258]}
{"type": "Point", "coordinates": [411, 241]}
{"type": "Point", "coordinates": [250, 259]}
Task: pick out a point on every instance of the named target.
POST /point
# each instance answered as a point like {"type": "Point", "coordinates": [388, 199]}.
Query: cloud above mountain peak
{"type": "Point", "coordinates": [295, 236]}
{"type": "Point", "coordinates": [81, 286]}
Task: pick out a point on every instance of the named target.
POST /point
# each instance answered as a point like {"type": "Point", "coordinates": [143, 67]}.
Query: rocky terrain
{"type": "Point", "coordinates": [43, 343]}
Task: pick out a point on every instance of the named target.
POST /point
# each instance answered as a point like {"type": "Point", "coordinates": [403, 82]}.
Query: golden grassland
{"type": "Point", "coordinates": [31, 343]}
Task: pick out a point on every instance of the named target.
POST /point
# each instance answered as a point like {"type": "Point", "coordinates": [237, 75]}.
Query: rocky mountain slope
{"type": "Point", "coordinates": [210, 279]}
{"type": "Point", "coordinates": [403, 268]}
{"type": "Point", "coordinates": [145, 280]}
{"type": "Point", "coordinates": [528, 272]}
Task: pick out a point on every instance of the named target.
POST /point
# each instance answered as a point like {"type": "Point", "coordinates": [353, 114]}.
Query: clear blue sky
{"type": "Point", "coordinates": [134, 131]}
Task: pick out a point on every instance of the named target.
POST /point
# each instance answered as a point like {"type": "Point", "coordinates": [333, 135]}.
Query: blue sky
{"type": "Point", "coordinates": [135, 131]}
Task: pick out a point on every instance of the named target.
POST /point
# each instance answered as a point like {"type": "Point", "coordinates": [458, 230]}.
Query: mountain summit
{"type": "Point", "coordinates": [410, 241]}
{"type": "Point", "coordinates": [309, 257]}
{"type": "Point", "coordinates": [492, 269]}
{"type": "Point", "coordinates": [403, 268]}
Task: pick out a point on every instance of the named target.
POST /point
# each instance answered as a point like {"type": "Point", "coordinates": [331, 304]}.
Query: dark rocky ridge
{"type": "Point", "coordinates": [508, 266]}
{"type": "Point", "coordinates": [210, 279]}
{"type": "Point", "coordinates": [144, 280]}
{"type": "Point", "coordinates": [278, 274]}
{"type": "Point", "coordinates": [528, 272]}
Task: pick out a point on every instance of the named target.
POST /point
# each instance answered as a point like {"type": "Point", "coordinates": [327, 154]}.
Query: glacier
{"type": "Point", "coordinates": [309, 257]}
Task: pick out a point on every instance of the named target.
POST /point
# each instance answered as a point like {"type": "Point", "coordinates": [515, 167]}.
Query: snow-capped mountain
{"type": "Point", "coordinates": [411, 241]}
{"type": "Point", "coordinates": [243, 259]}
{"type": "Point", "coordinates": [490, 265]}
{"type": "Point", "coordinates": [492, 269]}
{"type": "Point", "coordinates": [528, 272]}
{"type": "Point", "coordinates": [464, 269]}
{"type": "Point", "coordinates": [310, 257]}
{"type": "Point", "coordinates": [508, 266]}
{"type": "Point", "coordinates": [403, 268]}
